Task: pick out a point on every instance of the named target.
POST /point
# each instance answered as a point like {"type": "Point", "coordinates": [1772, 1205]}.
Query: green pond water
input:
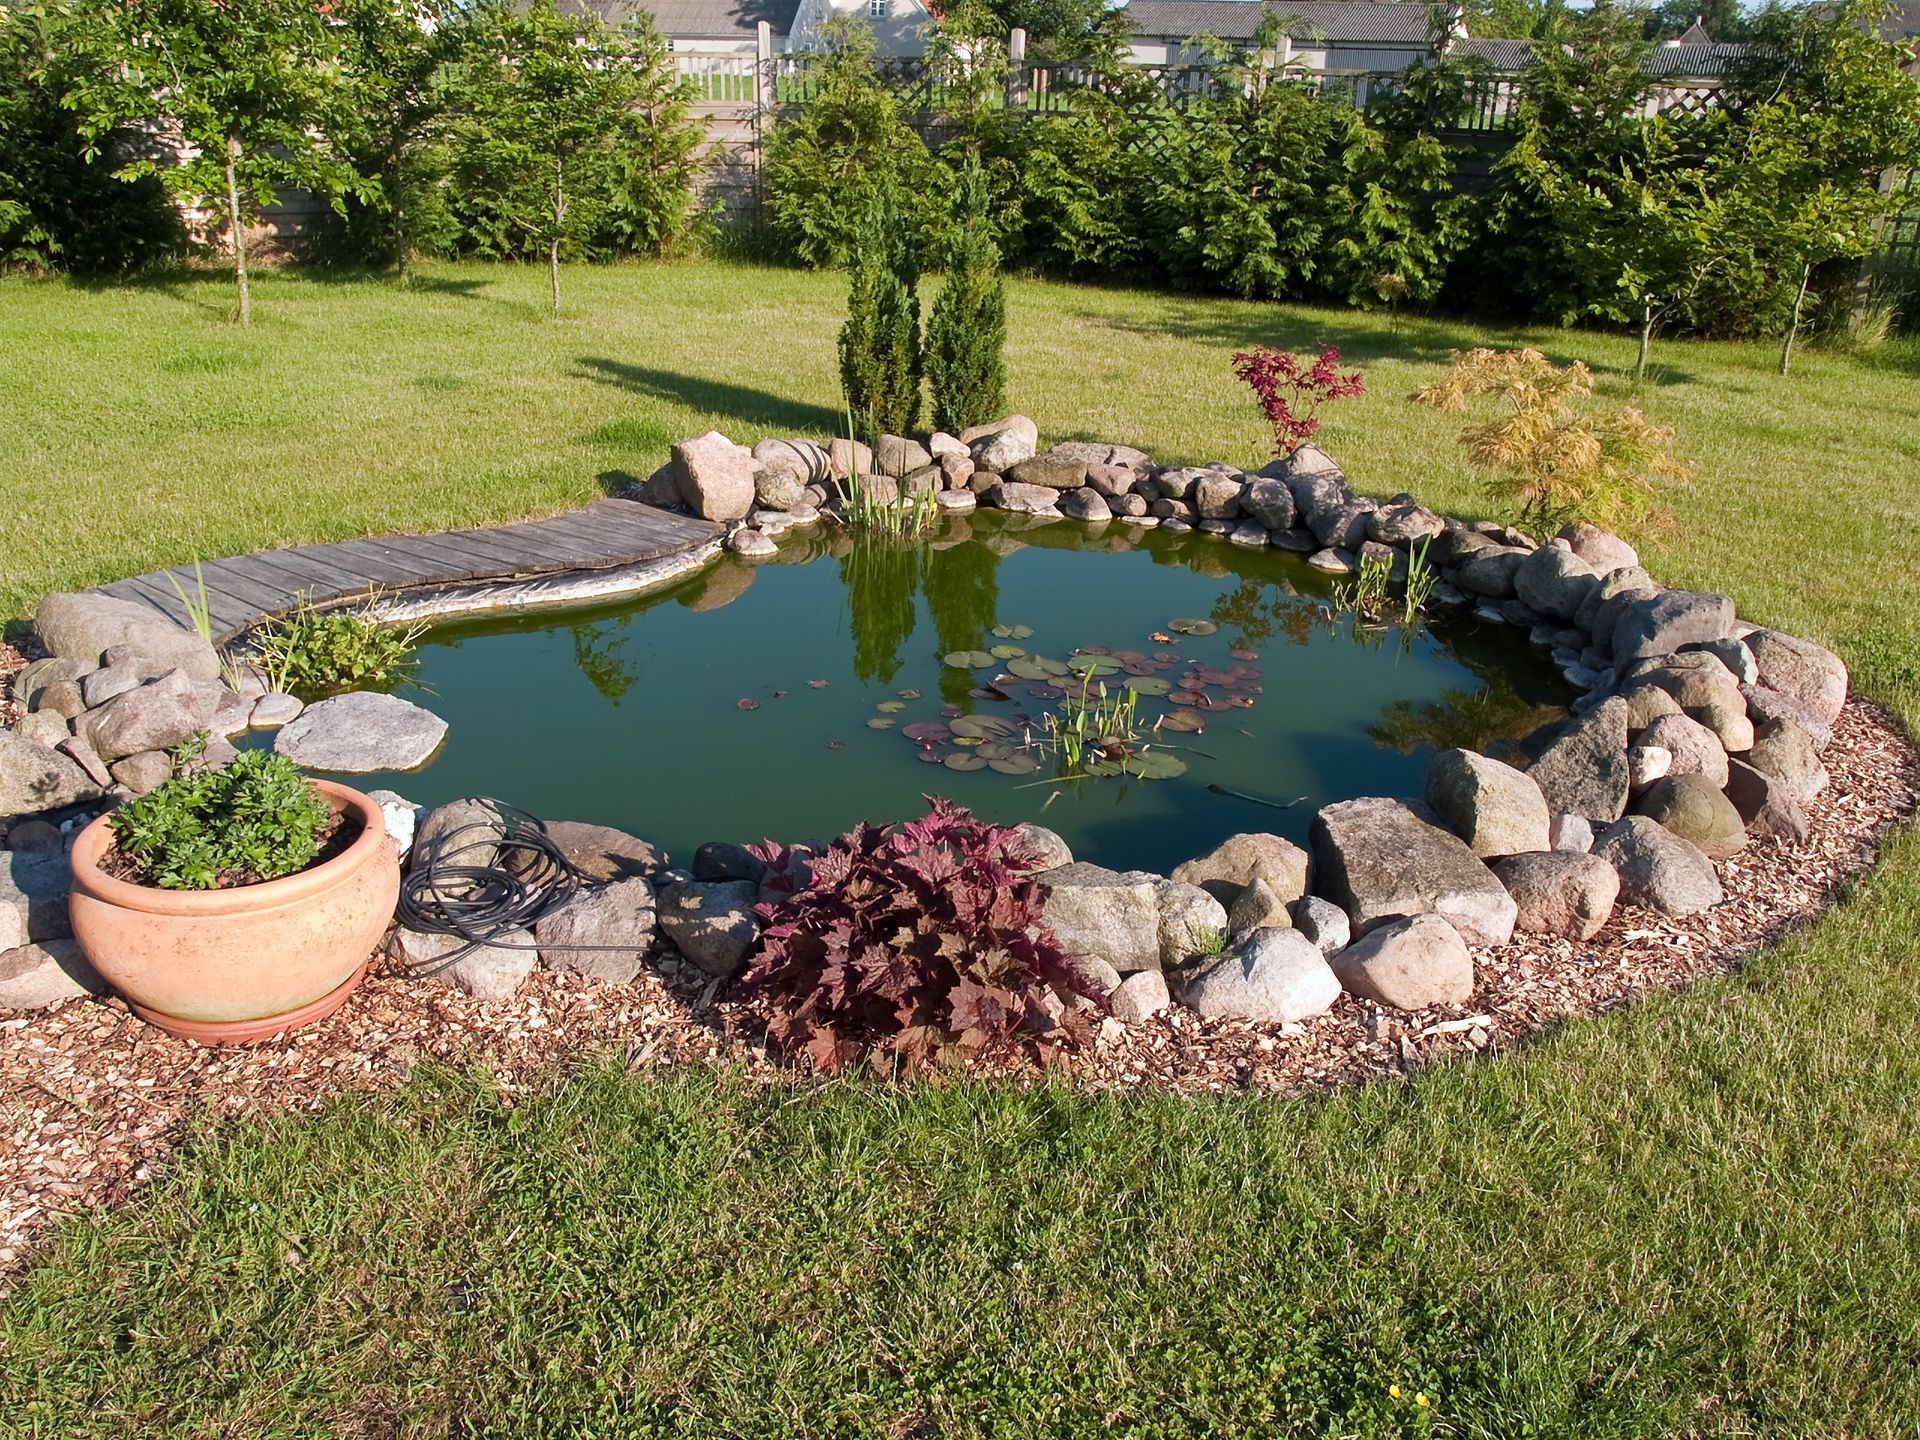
{"type": "Point", "coordinates": [749, 700]}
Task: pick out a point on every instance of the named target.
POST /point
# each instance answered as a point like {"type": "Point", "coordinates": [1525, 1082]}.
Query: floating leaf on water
{"type": "Point", "coordinates": [1204, 701]}
{"type": "Point", "coordinates": [1016, 764]}
{"type": "Point", "coordinates": [1101, 766]}
{"type": "Point", "coordinates": [1046, 692]}
{"type": "Point", "coordinates": [930, 757]}
{"type": "Point", "coordinates": [745, 704]}
{"type": "Point", "coordinates": [779, 694]}
{"type": "Point", "coordinates": [1092, 650]}
{"type": "Point", "coordinates": [818, 684]}
{"type": "Point", "coordinates": [1215, 677]}
{"type": "Point", "coordinates": [1027, 668]}
{"type": "Point", "coordinates": [1168, 657]}
{"type": "Point", "coordinates": [1244, 654]}
{"type": "Point", "coordinates": [964, 762]}
{"type": "Point", "coordinates": [836, 744]}
{"type": "Point", "coordinates": [949, 710]}
{"type": "Point", "coordinates": [1147, 684]}
{"type": "Point", "coordinates": [1191, 681]}
{"type": "Point", "coordinates": [1125, 656]}
{"type": "Point", "coordinates": [968, 659]}
{"type": "Point", "coordinates": [994, 749]}
{"type": "Point", "coordinates": [1137, 667]}
{"type": "Point", "coordinates": [1187, 722]}
{"type": "Point", "coordinates": [1006, 652]}
{"type": "Point", "coordinates": [880, 722]}
{"type": "Point", "coordinates": [1244, 702]}
{"type": "Point", "coordinates": [980, 692]}
{"type": "Point", "coordinates": [908, 694]}
{"type": "Point", "coordinates": [1093, 665]}
{"type": "Point", "coordinates": [1157, 765]}
{"type": "Point", "coordinates": [891, 707]}
{"type": "Point", "coordinates": [928, 731]}
{"type": "Point", "coordinates": [1192, 627]}
{"type": "Point", "coordinates": [1013, 632]}
{"type": "Point", "coordinates": [980, 727]}
{"type": "Point", "coordinates": [1184, 697]}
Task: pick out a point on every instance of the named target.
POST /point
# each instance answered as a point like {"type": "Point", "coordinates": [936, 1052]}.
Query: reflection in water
{"type": "Point", "coordinates": [1466, 719]}
{"type": "Point", "coordinates": [880, 578]}
{"type": "Point", "coordinates": [1253, 613]}
{"type": "Point", "coordinates": [963, 596]}
{"type": "Point", "coordinates": [596, 653]}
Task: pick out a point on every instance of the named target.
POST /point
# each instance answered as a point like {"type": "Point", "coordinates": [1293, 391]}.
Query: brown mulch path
{"type": "Point", "coordinates": [92, 1101]}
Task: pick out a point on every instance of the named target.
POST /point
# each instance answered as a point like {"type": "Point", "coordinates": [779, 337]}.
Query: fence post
{"type": "Point", "coordinates": [762, 105]}
{"type": "Point", "coordinates": [1018, 76]}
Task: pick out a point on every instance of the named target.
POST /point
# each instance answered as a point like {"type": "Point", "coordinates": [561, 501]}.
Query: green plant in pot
{"type": "Point", "coordinates": [235, 902]}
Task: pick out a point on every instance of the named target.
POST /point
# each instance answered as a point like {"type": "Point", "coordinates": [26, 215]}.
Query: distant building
{"type": "Point", "coordinates": [1381, 36]}
{"type": "Point", "coordinates": [900, 27]}
{"type": "Point", "coordinates": [699, 27]}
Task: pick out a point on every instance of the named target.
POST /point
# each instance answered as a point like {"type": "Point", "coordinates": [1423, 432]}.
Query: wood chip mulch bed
{"type": "Point", "coordinates": [92, 1101]}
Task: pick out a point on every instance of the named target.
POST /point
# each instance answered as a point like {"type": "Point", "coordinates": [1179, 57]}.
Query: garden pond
{"type": "Point", "coordinates": [846, 678]}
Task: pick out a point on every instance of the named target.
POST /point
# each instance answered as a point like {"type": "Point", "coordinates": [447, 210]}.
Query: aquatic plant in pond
{"type": "Point", "coordinates": [1241, 669]}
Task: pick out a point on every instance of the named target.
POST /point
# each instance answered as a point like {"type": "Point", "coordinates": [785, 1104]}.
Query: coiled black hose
{"type": "Point", "coordinates": [449, 889]}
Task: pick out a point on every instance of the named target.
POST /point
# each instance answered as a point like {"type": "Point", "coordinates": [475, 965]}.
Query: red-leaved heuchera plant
{"type": "Point", "coordinates": [1291, 390]}
{"type": "Point", "coordinates": [925, 941]}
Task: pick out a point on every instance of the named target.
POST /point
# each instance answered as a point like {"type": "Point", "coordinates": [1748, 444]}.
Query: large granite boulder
{"type": "Point", "coordinates": [1560, 892]}
{"type": "Point", "coordinates": [1657, 868]}
{"type": "Point", "coordinates": [602, 931]}
{"type": "Point", "coordinates": [711, 922]}
{"type": "Point", "coordinates": [84, 626]}
{"type": "Point", "coordinates": [1190, 919]}
{"type": "Point", "coordinates": [1140, 995]}
{"type": "Point", "coordinates": [1661, 624]}
{"type": "Point", "coordinates": [1216, 496]}
{"type": "Point", "coordinates": [1237, 861]}
{"type": "Point", "coordinates": [487, 972]}
{"type": "Point", "coordinates": [804, 460]}
{"type": "Point", "coordinates": [1695, 749]}
{"type": "Point", "coordinates": [1495, 808]}
{"type": "Point", "coordinates": [1696, 809]}
{"type": "Point", "coordinates": [1408, 964]}
{"type": "Point", "coordinates": [1601, 549]}
{"type": "Point", "coordinates": [460, 832]}
{"type": "Point", "coordinates": [1404, 522]}
{"type": "Point", "coordinates": [361, 731]}
{"type": "Point", "coordinates": [1801, 669]}
{"type": "Point", "coordinates": [1554, 582]}
{"type": "Point", "coordinates": [1491, 573]}
{"type": "Point", "coordinates": [1269, 503]}
{"type": "Point", "coordinates": [714, 476]}
{"type": "Point", "coordinates": [1109, 914]}
{"type": "Point", "coordinates": [898, 456]}
{"type": "Point", "coordinates": [602, 853]}
{"type": "Point", "coordinates": [34, 887]}
{"type": "Point", "coordinates": [155, 716]}
{"type": "Point", "coordinates": [1767, 806]}
{"type": "Point", "coordinates": [1706, 692]}
{"type": "Point", "coordinates": [1322, 922]}
{"type": "Point", "coordinates": [1585, 771]}
{"type": "Point", "coordinates": [1052, 469]}
{"type": "Point", "coordinates": [1379, 862]}
{"type": "Point", "coordinates": [1022, 499]}
{"type": "Point", "coordinates": [1786, 752]}
{"type": "Point", "coordinates": [1275, 976]}
{"type": "Point", "coordinates": [35, 777]}
{"type": "Point", "coordinates": [1002, 445]}
{"type": "Point", "coordinates": [1764, 704]}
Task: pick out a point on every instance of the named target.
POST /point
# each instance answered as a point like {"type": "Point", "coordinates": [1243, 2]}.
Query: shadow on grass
{"type": "Point", "coordinates": [713, 397]}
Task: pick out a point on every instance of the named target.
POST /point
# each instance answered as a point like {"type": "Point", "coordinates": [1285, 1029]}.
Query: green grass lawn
{"type": "Point", "coordinates": [1701, 1216]}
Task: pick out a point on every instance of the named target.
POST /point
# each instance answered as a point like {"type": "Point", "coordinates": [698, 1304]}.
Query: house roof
{"type": "Point", "coordinates": [694, 17]}
{"type": "Point", "coordinates": [1903, 22]}
{"type": "Point", "coordinates": [1370, 22]}
{"type": "Point", "coordinates": [1694, 34]}
{"type": "Point", "coordinates": [1501, 54]}
{"type": "Point", "coordinates": [1691, 61]}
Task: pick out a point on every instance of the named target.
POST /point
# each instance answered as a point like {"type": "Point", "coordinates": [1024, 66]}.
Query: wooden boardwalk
{"type": "Point", "coordinates": [244, 589]}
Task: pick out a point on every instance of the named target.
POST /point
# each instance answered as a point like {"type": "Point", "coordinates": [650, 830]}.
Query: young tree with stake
{"type": "Point", "coordinates": [967, 331]}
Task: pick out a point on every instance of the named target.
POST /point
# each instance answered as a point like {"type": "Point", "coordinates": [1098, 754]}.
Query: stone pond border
{"type": "Point", "coordinates": [1695, 732]}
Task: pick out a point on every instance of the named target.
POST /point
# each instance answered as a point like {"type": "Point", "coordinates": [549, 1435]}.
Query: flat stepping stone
{"type": "Point", "coordinates": [360, 732]}
{"type": "Point", "coordinates": [273, 710]}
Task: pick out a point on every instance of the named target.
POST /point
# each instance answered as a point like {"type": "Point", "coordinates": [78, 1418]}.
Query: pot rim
{"type": "Point", "coordinates": [93, 843]}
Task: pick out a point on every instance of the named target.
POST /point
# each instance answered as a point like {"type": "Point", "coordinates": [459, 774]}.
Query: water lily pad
{"type": "Point", "coordinates": [1156, 765]}
{"type": "Point", "coordinates": [1093, 665]}
{"type": "Point", "coordinates": [1192, 627]}
{"type": "Point", "coordinates": [745, 704]}
{"type": "Point", "coordinates": [1188, 722]}
{"type": "Point", "coordinates": [1147, 684]}
{"type": "Point", "coordinates": [1006, 652]}
{"type": "Point", "coordinates": [930, 757]}
{"type": "Point", "coordinates": [964, 762]}
{"type": "Point", "coordinates": [1092, 650]}
{"type": "Point", "coordinates": [929, 732]}
{"type": "Point", "coordinates": [969, 659]}
{"type": "Point", "coordinates": [1244, 654]}
{"type": "Point", "coordinates": [994, 750]}
{"type": "Point", "coordinates": [836, 744]}
{"type": "Point", "coordinates": [818, 684]}
{"type": "Point", "coordinates": [1013, 632]}
{"type": "Point", "coordinates": [1101, 766]}
{"type": "Point", "coordinates": [891, 707]}
{"type": "Point", "coordinates": [1184, 697]}
{"type": "Point", "coordinates": [908, 694]}
{"type": "Point", "coordinates": [1046, 692]}
{"type": "Point", "coordinates": [880, 722]}
{"type": "Point", "coordinates": [1019, 763]}
{"type": "Point", "coordinates": [1028, 668]}
{"type": "Point", "coordinates": [980, 727]}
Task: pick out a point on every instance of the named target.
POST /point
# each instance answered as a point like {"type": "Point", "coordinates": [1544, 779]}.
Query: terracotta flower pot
{"type": "Point", "coordinates": [233, 966]}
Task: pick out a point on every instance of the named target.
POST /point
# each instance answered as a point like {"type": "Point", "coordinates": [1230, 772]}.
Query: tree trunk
{"type": "Point", "coordinates": [402, 245]}
{"type": "Point", "coordinates": [559, 219]}
{"type": "Point", "coordinates": [1793, 325]}
{"type": "Point", "coordinates": [1646, 340]}
{"type": "Point", "coordinates": [237, 228]}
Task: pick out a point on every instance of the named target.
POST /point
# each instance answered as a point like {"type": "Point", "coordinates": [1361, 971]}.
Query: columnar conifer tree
{"type": "Point", "coordinates": [880, 357]}
{"type": "Point", "coordinates": [967, 331]}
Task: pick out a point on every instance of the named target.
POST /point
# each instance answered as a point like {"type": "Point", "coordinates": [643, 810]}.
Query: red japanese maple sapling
{"type": "Point", "coordinates": [1291, 391]}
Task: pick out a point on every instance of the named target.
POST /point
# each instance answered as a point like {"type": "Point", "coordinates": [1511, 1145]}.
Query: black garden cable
{"type": "Point", "coordinates": [477, 884]}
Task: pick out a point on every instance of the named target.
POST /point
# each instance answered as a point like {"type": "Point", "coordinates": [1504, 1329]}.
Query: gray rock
{"type": "Point", "coordinates": [1332, 562]}
{"type": "Point", "coordinates": [602, 932]}
{"type": "Point", "coordinates": [1049, 850]}
{"type": "Point", "coordinates": [1322, 922]}
{"type": "Point", "coordinates": [1801, 670]}
{"type": "Point", "coordinates": [43, 727]}
{"type": "Point", "coordinates": [721, 860]}
{"type": "Point", "coordinates": [1646, 703]}
{"type": "Point", "coordinates": [154, 716]}
{"type": "Point", "coordinates": [33, 898]}
{"type": "Point", "coordinates": [1379, 862]}
{"type": "Point", "coordinates": [1661, 624]}
{"type": "Point", "coordinates": [1022, 499]}
{"type": "Point", "coordinates": [1190, 919]}
{"type": "Point", "coordinates": [1274, 976]}
{"type": "Point", "coordinates": [1695, 750]}
{"type": "Point", "coordinates": [1764, 704]}
{"type": "Point", "coordinates": [1237, 861]}
{"type": "Point", "coordinates": [1217, 496]}
{"type": "Point", "coordinates": [1571, 833]}
{"type": "Point", "coordinates": [460, 832]}
{"type": "Point", "coordinates": [1249, 535]}
{"type": "Point", "coordinates": [1733, 654]}
{"type": "Point", "coordinates": [1257, 908]}
{"type": "Point", "coordinates": [487, 972]}
{"type": "Point", "coordinates": [1408, 964]}
{"type": "Point", "coordinates": [805, 461]}
{"type": "Point", "coordinates": [714, 476]}
{"type": "Point", "coordinates": [1177, 484]}
{"type": "Point", "coordinates": [144, 773]}
{"type": "Point", "coordinates": [1585, 771]}
{"type": "Point", "coordinates": [955, 471]}
{"type": "Point", "coordinates": [1631, 582]}
{"type": "Point", "coordinates": [1646, 764]}
{"type": "Point", "coordinates": [1766, 805]}
{"type": "Point", "coordinates": [1787, 753]}
{"type": "Point", "coordinates": [34, 777]}
{"type": "Point", "coordinates": [956, 501]}
{"type": "Point", "coordinates": [37, 675]}
{"type": "Point", "coordinates": [35, 837]}
{"type": "Point", "coordinates": [1601, 549]}
{"type": "Point", "coordinates": [660, 489]}
{"type": "Point", "coordinates": [1269, 504]}
{"type": "Point", "coordinates": [1657, 868]}
{"type": "Point", "coordinates": [273, 710]}
{"type": "Point", "coordinates": [1495, 808]}
{"type": "Point", "coordinates": [1554, 581]}
{"type": "Point", "coordinates": [1049, 470]}
{"type": "Point", "coordinates": [1491, 573]}
{"type": "Point", "coordinates": [1340, 527]}
{"type": "Point", "coordinates": [97, 688]}
{"type": "Point", "coordinates": [1696, 809]}
{"type": "Point", "coordinates": [843, 459]}
{"type": "Point", "coordinates": [896, 455]}
{"type": "Point", "coordinates": [362, 731]}
{"type": "Point", "coordinates": [1403, 522]}
{"type": "Point", "coordinates": [780, 490]}
{"type": "Point", "coordinates": [232, 716]}
{"type": "Point", "coordinates": [750, 542]}
{"type": "Point", "coordinates": [1110, 914]}
{"type": "Point", "coordinates": [83, 755]}
{"type": "Point", "coordinates": [1001, 451]}
{"type": "Point", "coordinates": [61, 698]}
{"type": "Point", "coordinates": [84, 625]}
{"type": "Point", "coordinates": [1310, 462]}
{"type": "Point", "coordinates": [940, 443]}
{"type": "Point", "coordinates": [1085, 504]}
{"type": "Point", "coordinates": [38, 977]}
{"type": "Point", "coordinates": [1559, 892]}
{"type": "Point", "coordinates": [1140, 995]}
{"type": "Point", "coordinates": [1707, 693]}
{"type": "Point", "coordinates": [711, 922]}
{"type": "Point", "coordinates": [1006, 425]}
{"type": "Point", "coordinates": [601, 852]}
